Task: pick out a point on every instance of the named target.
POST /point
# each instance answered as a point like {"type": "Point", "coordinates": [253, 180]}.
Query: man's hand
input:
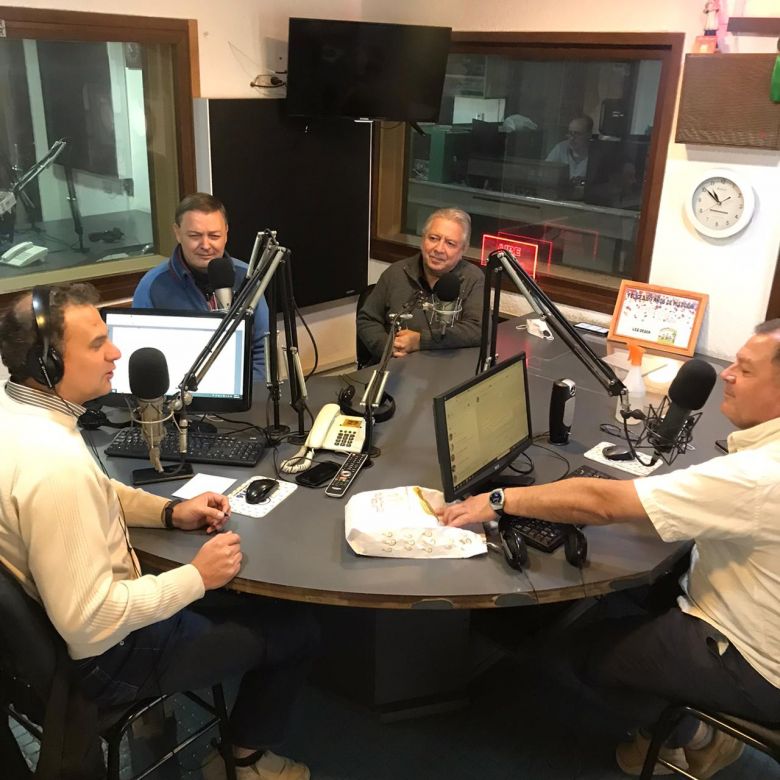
{"type": "Point", "coordinates": [406, 341]}
{"type": "Point", "coordinates": [473, 510]}
{"type": "Point", "coordinates": [219, 560]}
{"type": "Point", "coordinates": [208, 509]}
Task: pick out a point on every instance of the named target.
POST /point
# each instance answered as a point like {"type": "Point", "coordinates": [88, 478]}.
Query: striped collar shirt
{"type": "Point", "coordinates": [29, 395]}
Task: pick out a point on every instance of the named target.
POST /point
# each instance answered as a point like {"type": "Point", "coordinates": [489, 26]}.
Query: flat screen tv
{"type": "Point", "coordinates": [366, 70]}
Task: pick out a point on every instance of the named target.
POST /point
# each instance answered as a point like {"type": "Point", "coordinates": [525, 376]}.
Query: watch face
{"type": "Point", "coordinates": [718, 205]}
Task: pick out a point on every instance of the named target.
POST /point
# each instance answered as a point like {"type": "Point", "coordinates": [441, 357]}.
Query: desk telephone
{"type": "Point", "coordinates": [23, 254]}
{"type": "Point", "coordinates": [331, 431]}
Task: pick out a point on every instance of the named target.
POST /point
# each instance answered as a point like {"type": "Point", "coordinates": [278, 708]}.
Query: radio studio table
{"type": "Point", "coordinates": [298, 551]}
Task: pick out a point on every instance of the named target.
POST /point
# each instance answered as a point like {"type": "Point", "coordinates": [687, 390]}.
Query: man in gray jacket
{"type": "Point", "coordinates": [445, 238]}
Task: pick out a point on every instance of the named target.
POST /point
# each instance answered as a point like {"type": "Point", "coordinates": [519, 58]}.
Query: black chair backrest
{"type": "Point", "coordinates": [36, 676]}
{"type": "Point", "coordinates": [362, 352]}
{"type": "Point", "coordinates": [29, 647]}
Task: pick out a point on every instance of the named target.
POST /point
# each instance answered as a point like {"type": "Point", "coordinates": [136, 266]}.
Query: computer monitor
{"type": "Point", "coordinates": [482, 425]}
{"type": "Point", "coordinates": [180, 336]}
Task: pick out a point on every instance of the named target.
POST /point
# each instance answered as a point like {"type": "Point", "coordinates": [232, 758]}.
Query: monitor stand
{"type": "Point", "coordinates": [506, 480]}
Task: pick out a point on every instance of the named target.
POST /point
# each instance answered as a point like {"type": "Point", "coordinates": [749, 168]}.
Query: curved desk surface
{"type": "Point", "coordinates": [298, 551]}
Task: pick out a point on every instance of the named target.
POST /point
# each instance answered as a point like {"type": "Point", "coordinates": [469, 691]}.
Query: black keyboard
{"type": "Point", "coordinates": [542, 534]}
{"type": "Point", "coordinates": [201, 448]}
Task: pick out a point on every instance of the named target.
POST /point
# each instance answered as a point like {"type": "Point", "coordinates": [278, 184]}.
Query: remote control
{"type": "Point", "coordinates": [591, 328]}
{"type": "Point", "coordinates": [346, 475]}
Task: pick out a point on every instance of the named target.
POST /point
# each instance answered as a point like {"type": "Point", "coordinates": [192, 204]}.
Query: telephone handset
{"type": "Point", "coordinates": [23, 254]}
{"type": "Point", "coordinates": [330, 431]}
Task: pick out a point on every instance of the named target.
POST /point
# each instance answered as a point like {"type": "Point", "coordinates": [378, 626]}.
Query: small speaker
{"type": "Point", "coordinates": [561, 410]}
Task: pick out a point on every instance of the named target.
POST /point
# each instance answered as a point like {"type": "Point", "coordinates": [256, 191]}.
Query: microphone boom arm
{"type": "Point", "coordinates": [501, 260]}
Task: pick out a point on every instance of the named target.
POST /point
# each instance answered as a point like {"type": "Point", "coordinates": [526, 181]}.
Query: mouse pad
{"type": "Point", "coordinates": [631, 466]}
{"type": "Point", "coordinates": [239, 505]}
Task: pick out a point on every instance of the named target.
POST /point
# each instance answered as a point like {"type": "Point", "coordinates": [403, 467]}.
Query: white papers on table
{"type": "Point", "coordinates": [401, 523]}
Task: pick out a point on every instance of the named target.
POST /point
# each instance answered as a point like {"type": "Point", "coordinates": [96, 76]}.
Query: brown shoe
{"type": "Point", "coordinates": [722, 751]}
{"type": "Point", "coordinates": [630, 757]}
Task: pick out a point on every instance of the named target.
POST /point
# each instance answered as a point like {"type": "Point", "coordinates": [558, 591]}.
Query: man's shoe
{"type": "Point", "coordinates": [630, 757]}
{"type": "Point", "coordinates": [272, 767]}
{"type": "Point", "coordinates": [722, 751]}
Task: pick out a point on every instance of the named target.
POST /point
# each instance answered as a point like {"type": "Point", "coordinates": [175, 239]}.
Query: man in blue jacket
{"type": "Point", "coordinates": [182, 281]}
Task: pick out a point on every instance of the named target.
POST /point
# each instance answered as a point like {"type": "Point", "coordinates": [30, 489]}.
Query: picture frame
{"type": "Point", "coordinates": [663, 318]}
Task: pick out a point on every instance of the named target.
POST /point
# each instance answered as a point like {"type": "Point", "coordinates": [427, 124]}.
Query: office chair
{"type": "Point", "coordinates": [38, 685]}
{"type": "Point", "coordinates": [765, 738]}
{"type": "Point", "coordinates": [363, 355]}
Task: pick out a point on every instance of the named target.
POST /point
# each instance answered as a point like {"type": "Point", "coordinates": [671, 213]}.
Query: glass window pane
{"type": "Point", "coordinates": [553, 153]}
{"type": "Point", "coordinates": [87, 156]}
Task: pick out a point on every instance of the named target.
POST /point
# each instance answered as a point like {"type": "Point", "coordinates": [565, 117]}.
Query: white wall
{"type": "Point", "coordinates": [240, 38]}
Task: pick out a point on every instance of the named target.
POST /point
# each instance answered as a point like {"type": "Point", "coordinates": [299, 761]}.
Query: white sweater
{"type": "Point", "coordinates": [61, 534]}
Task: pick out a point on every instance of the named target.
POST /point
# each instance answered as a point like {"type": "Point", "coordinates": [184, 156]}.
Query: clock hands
{"type": "Point", "coordinates": [717, 211]}
{"type": "Point", "coordinates": [712, 195]}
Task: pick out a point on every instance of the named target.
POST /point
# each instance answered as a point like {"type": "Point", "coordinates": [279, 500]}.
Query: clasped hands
{"type": "Point", "coordinates": [405, 342]}
{"type": "Point", "coordinates": [218, 561]}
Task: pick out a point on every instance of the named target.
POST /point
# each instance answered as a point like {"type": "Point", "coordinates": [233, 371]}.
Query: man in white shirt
{"type": "Point", "coordinates": [63, 535]}
{"type": "Point", "coordinates": [573, 150]}
{"type": "Point", "coordinates": [719, 647]}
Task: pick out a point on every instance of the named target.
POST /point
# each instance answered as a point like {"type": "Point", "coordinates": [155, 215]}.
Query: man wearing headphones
{"type": "Point", "coordinates": [63, 535]}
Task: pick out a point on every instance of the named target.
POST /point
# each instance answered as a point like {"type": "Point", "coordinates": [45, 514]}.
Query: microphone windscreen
{"type": "Point", "coordinates": [448, 287]}
{"type": "Point", "coordinates": [148, 372]}
{"type": "Point", "coordinates": [693, 384]}
{"type": "Point", "coordinates": [221, 273]}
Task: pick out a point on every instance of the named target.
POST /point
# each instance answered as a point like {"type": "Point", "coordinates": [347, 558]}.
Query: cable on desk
{"type": "Point", "coordinates": [523, 472]}
{"type": "Point", "coordinates": [615, 430]}
{"type": "Point", "coordinates": [554, 453]}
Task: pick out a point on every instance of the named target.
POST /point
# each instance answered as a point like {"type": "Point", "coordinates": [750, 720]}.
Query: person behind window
{"type": "Point", "coordinates": [182, 281]}
{"type": "Point", "coordinates": [445, 237]}
{"type": "Point", "coordinates": [574, 149]}
{"type": "Point", "coordinates": [718, 647]}
{"type": "Point", "coordinates": [63, 534]}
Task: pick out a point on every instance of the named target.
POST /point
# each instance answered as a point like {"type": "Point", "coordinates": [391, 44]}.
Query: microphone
{"type": "Point", "coordinates": [446, 301]}
{"type": "Point", "coordinates": [149, 383]}
{"type": "Point", "coordinates": [222, 277]}
{"type": "Point", "coordinates": [688, 392]}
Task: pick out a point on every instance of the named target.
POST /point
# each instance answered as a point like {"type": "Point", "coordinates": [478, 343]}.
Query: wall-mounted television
{"type": "Point", "coordinates": [366, 70]}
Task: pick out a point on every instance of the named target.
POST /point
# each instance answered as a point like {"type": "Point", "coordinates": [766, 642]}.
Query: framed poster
{"type": "Point", "coordinates": [658, 317]}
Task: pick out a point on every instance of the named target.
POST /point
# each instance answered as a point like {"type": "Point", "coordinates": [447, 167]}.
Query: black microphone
{"type": "Point", "coordinates": [148, 372]}
{"type": "Point", "coordinates": [446, 301]}
{"type": "Point", "coordinates": [688, 392]}
{"type": "Point", "coordinates": [222, 277]}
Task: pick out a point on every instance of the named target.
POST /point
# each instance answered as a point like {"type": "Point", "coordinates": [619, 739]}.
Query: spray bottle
{"type": "Point", "coordinates": [635, 384]}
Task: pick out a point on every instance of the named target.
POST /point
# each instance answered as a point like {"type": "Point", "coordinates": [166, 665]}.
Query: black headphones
{"type": "Point", "coordinates": [44, 363]}
{"type": "Point", "coordinates": [384, 411]}
{"type": "Point", "coordinates": [575, 546]}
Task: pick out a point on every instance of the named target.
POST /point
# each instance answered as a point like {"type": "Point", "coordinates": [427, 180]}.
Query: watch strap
{"type": "Point", "coordinates": [168, 512]}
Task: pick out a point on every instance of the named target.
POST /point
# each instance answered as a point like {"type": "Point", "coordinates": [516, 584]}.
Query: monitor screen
{"type": "Point", "coordinates": [366, 70]}
{"type": "Point", "coordinates": [180, 336]}
{"type": "Point", "coordinates": [482, 425]}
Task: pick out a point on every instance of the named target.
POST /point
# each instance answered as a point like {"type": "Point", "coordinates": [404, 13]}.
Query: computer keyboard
{"type": "Point", "coordinates": [542, 534]}
{"type": "Point", "coordinates": [201, 448]}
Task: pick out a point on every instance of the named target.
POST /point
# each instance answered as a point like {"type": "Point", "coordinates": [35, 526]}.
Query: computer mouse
{"type": "Point", "coordinates": [614, 452]}
{"type": "Point", "coordinates": [259, 490]}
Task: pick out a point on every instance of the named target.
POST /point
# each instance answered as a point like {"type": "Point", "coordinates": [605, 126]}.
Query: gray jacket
{"type": "Point", "coordinates": [398, 284]}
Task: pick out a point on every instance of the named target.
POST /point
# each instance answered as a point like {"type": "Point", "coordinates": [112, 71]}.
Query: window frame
{"type": "Point", "coordinates": [389, 186]}
{"type": "Point", "coordinates": [182, 36]}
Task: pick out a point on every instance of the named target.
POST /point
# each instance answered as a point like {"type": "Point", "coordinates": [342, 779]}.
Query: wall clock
{"type": "Point", "coordinates": [721, 203]}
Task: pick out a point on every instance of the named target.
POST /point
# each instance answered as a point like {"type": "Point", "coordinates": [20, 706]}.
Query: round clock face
{"type": "Point", "coordinates": [721, 204]}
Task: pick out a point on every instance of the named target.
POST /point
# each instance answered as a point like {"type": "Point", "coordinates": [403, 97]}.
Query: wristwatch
{"type": "Point", "coordinates": [496, 501]}
{"type": "Point", "coordinates": [168, 513]}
